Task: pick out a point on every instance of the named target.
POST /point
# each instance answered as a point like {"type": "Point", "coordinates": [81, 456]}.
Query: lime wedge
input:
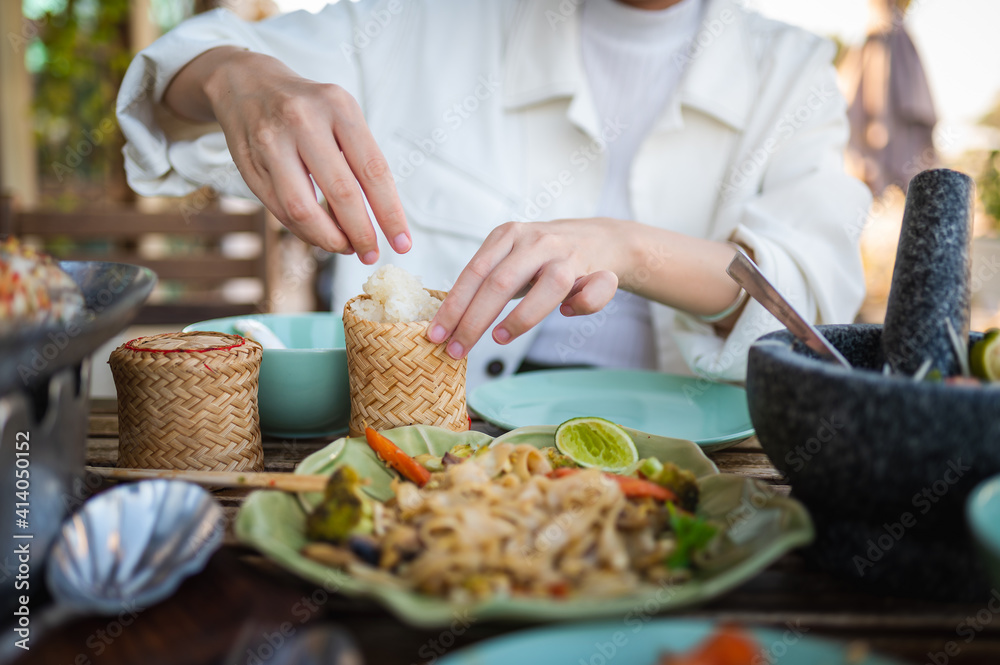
{"type": "Point", "coordinates": [984, 358]}
{"type": "Point", "coordinates": [596, 443]}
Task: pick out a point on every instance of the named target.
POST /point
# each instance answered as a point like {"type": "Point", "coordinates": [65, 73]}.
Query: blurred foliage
{"type": "Point", "coordinates": [842, 49]}
{"type": "Point", "coordinates": [168, 13]}
{"type": "Point", "coordinates": [35, 9]}
{"type": "Point", "coordinates": [78, 60]}
{"type": "Point", "coordinates": [988, 184]}
{"type": "Point", "coordinates": [989, 187]}
{"type": "Point", "coordinates": [992, 117]}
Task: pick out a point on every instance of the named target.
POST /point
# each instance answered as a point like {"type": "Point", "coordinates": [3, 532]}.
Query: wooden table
{"type": "Point", "coordinates": [241, 595]}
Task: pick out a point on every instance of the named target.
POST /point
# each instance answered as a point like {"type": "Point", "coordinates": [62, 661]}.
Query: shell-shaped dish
{"type": "Point", "coordinates": [134, 544]}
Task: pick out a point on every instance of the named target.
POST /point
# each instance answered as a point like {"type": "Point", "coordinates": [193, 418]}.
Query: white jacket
{"type": "Point", "coordinates": [483, 111]}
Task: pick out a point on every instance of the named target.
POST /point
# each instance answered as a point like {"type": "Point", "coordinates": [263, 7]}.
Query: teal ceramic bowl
{"type": "Point", "coordinates": [983, 513]}
{"type": "Point", "coordinates": [303, 389]}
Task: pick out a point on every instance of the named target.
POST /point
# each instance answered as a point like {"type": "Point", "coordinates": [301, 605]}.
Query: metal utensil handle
{"type": "Point", "coordinates": [746, 273]}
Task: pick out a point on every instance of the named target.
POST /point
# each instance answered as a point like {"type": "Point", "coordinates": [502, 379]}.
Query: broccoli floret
{"type": "Point", "coordinates": [465, 450]}
{"type": "Point", "coordinates": [345, 510]}
{"type": "Point", "coordinates": [669, 475]}
{"type": "Point", "coordinates": [432, 463]}
{"type": "Point", "coordinates": [692, 535]}
{"type": "Point", "coordinates": [557, 459]}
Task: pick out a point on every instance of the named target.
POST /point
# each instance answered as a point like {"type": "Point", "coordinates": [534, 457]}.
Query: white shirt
{"type": "Point", "coordinates": [631, 60]}
{"type": "Point", "coordinates": [483, 111]}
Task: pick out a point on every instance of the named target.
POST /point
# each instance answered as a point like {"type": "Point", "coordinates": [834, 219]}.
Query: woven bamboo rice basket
{"type": "Point", "coordinates": [188, 401]}
{"type": "Point", "coordinates": [398, 377]}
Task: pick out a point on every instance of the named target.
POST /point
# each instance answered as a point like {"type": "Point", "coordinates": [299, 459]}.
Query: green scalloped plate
{"type": "Point", "coordinates": [759, 527]}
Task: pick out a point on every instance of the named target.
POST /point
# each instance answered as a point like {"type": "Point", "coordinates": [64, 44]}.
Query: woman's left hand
{"type": "Point", "coordinates": [572, 264]}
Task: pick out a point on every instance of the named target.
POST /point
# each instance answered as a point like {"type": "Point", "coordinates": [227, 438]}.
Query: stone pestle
{"type": "Point", "coordinates": [930, 281]}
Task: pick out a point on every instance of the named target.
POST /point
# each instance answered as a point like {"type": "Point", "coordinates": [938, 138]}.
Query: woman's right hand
{"type": "Point", "coordinates": [282, 128]}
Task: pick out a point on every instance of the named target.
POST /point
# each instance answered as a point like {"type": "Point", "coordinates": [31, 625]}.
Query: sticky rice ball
{"type": "Point", "coordinates": [395, 296]}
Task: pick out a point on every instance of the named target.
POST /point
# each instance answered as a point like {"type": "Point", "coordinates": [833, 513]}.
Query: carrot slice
{"type": "Point", "coordinates": [562, 472]}
{"type": "Point", "coordinates": [727, 646]}
{"type": "Point", "coordinates": [559, 590]}
{"type": "Point", "coordinates": [632, 488]}
{"type": "Point", "coordinates": [390, 453]}
{"type": "Point", "coordinates": [637, 488]}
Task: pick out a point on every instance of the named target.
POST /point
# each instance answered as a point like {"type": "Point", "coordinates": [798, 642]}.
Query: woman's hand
{"type": "Point", "coordinates": [282, 128]}
{"type": "Point", "coordinates": [576, 265]}
{"type": "Point", "coordinates": [570, 264]}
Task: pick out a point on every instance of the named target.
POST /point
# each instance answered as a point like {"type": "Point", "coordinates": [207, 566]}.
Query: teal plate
{"type": "Point", "coordinates": [713, 415]}
{"type": "Point", "coordinates": [638, 641]}
{"type": "Point", "coordinates": [757, 527]}
{"type": "Point", "coordinates": [982, 511]}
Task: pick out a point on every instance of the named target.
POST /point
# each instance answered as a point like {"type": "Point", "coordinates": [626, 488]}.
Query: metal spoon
{"type": "Point", "coordinates": [746, 273]}
{"type": "Point", "coordinates": [258, 332]}
{"type": "Point", "coordinates": [125, 550]}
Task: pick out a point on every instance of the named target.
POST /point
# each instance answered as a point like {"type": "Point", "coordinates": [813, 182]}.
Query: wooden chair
{"type": "Point", "coordinates": [115, 234]}
{"type": "Point", "coordinates": [6, 215]}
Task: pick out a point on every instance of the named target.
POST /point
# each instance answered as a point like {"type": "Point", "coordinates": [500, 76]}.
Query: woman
{"type": "Point", "coordinates": [634, 145]}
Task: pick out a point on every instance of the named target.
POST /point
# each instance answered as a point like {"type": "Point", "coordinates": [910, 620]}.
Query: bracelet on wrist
{"type": "Point", "coordinates": [736, 304]}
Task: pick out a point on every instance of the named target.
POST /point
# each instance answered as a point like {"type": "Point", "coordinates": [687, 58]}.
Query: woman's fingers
{"type": "Point", "coordinates": [498, 288]}
{"type": "Point", "coordinates": [371, 170]}
{"type": "Point", "coordinates": [349, 249]}
{"type": "Point", "coordinates": [541, 261]}
{"type": "Point", "coordinates": [554, 283]}
{"type": "Point", "coordinates": [282, 129]}
{"type": "Point", "coordinates": [590, 294]}
{"type": "Point", "coordinates": [297, 207]}
{"type": "Point", "coordinates": [334, 178]}
{"type": "Point", "coordinates": [551, 287]}
{"type": "Point", "coordinates": [497, 246]}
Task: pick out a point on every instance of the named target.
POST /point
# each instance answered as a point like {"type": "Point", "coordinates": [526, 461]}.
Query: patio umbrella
{"type": "Point", "coordinates": [891, 110]}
